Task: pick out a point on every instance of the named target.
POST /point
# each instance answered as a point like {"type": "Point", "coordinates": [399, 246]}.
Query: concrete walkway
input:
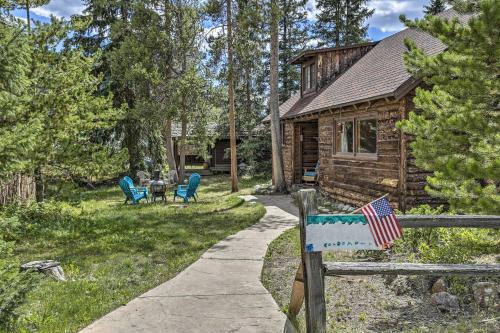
{"type": "Point", "coordinates": [221, 292]}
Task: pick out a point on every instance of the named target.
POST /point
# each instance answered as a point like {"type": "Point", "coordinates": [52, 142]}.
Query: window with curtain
{"type": "Point", "coordinates": [309, 78]}
{"type": "Point", "coordinates": [356, 136]}
{"type": "Point", "coordinates": [345, 136]}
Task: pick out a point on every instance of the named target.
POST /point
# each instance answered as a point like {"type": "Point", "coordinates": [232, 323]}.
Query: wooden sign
{"type": "Point", "coordinates": [338, 232]}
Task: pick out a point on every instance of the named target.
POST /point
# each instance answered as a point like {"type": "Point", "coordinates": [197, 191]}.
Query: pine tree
{"type": "Point", "coordinates": [341, 22]}
{"type": "Point", "coordinates": [435, 7]}
{"type": "Point", "coordinates": [293, 38]}
{"type": "Point", "coordinates": [66, 113]}
{"type": "Point", "coordinates": [456, 133]}
{"type": "Point", "coordinates": [17, 134]}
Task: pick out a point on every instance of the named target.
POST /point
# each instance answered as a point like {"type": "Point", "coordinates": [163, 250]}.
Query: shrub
{"type": "Point", "coordinates": [14, 286]}
{"type": "Point", "coordinates": [446, 245]}
{"type": "Point", "coordinates": [18, 222]}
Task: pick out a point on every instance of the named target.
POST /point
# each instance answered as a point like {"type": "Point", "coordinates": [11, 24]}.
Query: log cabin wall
{"type": "Point", "coordinates": [288, 158]}
{"type": "Point", "coordinates": [333, 63]}
{"type": "Point", "coordinates": [358, 180]}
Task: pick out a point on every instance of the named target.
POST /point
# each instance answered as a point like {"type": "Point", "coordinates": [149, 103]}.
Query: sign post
{"type": "Point", "coordinates": [312, 263]}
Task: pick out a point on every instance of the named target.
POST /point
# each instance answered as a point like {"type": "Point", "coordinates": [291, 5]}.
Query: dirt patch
{"type": "Point", "coordinates": [372, 303]}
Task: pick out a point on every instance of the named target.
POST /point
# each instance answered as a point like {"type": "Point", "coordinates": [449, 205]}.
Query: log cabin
{"type": "Point", "coordinates": [218, 160]}
{"type": "Point", "coordinates": [345, 116]}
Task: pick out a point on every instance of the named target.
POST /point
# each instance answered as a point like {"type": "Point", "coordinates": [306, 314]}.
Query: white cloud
{"type": "Point", "coordinates": [386, 15]}
{"type": "Point", "coordinates": [311, 10]}
{"type": "Point", "coordinates": [60, 8]}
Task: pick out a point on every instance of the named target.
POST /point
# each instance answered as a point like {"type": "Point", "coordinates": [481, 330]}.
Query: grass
{"type": "Point", "coordinates": [112, 253]}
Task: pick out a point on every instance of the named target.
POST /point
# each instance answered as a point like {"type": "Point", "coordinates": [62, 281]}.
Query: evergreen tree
{"type": "Point", "coordinates": [16, 130]}
{"type": "Point", "coordinates": [435, 7]}
{"type": "Point", "coordinates": [341, 22]}
{"type": "Point", "coordinates": [102, 28]}
{"type": "Point", "coordinates": [66, 113]}
{"type": "Point", "coordinates": [456, 131]}
{"type": "Point", "coordinates": [293, 38]}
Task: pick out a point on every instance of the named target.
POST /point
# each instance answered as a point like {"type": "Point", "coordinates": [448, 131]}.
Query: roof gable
{"type": "Point", "coordinates": [379, 73]}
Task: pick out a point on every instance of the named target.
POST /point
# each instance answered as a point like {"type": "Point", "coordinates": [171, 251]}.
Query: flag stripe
{"type": "Point", "coordinates": [376, 221]}
{"type": "Point", "coordinates": [400, 231]}
{"type": "Point", "coordinates": [390, 227]}
{"type": "Point", "coordinates": [394, 226]}
{"type": "Point", "coordinates": [374, 232]}
{"type": "Point", "coordinates": [375, 226]}
{"type": "Point", "coordinates": [368, 217]}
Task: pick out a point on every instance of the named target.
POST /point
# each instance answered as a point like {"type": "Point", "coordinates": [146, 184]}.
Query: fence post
{"type": "Point", "coordinates": [312, 263]}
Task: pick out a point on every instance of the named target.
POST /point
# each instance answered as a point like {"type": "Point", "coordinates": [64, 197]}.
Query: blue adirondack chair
{"type": "Point", "coordinates": [131, 192]}
{"type": "Point", "coordinates": [189, 190]}
{"type": "Point", "coordinates": [311, 174]}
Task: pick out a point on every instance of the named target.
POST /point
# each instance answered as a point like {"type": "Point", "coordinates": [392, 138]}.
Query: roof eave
{"type": "Point", "coordinates": [337, 106]}
{"type": "Point", "coordinates": [311, 52]}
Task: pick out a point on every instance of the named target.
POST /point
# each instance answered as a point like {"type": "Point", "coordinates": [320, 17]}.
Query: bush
{"type": "Point", "coordinates": [18, 222]}
{"type": "Point", "coordinates": [29, 220]}
{"type": "Point", "coordinates": [446, 245]}
{"type": "Point", "coordinates": [14, 286]}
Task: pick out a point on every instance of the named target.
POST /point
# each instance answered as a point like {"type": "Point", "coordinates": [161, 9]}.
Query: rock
{"type": "Point", "coordinates": [48, 267]}
{"type": "Point", "coordinates": [485, 293]}
{"type": "Point", "coordinates": [439, 286]}
{"type": "Point", "coordinates": [323, 210]}
{"type": "Point", "coordinates": [400, 286]}
{"type": "Point", "coordinates": [445, 302]}
{"type": "Point", "coordinates": [388, 279]}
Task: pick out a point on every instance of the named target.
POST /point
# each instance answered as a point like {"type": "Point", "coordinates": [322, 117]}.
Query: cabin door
{"type": "Point", "coordinates": [307, 151]}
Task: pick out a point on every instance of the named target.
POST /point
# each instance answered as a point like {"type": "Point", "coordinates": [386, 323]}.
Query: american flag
{"type": "Point", "coordinates": [382, 222]}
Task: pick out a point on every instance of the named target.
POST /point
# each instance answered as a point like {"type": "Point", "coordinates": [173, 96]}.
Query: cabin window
{"type": "Point", "coordinates": [367, 136]}
{"type": "Point", "coordinates": [356, 136]}
{"type": "Point", "coordinates": [345, 136]}
{"type": "Point", "coordinates": [309, 82]}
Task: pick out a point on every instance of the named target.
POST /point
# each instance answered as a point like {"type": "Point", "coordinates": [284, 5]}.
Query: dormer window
{"type": "Point", "coordinates": [309, 77]}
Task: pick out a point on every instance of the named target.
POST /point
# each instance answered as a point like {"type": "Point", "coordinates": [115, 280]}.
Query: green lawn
{"type": "Point", "coordinates": [112, 253]}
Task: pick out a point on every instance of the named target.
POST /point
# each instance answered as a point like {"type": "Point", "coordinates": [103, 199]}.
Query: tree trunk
{"type": "Point", "coordinates": [277, 158]}
{"type": "Point", "coordinates": [232, 112]}
{"type": "Point", "coordinates": [28, 18]}
{"type": "Point", "coordinates": [170, 149]}
{"type": "Point", "coordinates": [39, 184]}
{"type": "Point", "coordinates": [338, 24]}
{"type": "Point", "coordinates": [132, 138]}
{"type": "Point", "coordinates": [182, 150]}
{"type": "Point", "coordinates": [286, 78]}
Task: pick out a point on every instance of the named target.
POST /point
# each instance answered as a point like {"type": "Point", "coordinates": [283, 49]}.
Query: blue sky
{"type": "Point", "coordinates": [384, 22]}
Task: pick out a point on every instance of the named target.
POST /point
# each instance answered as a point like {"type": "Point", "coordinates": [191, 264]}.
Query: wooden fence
{"type": "Point", "coordinates": [309, 281]}
{"type": "Point", "coordinates": [18, 188]}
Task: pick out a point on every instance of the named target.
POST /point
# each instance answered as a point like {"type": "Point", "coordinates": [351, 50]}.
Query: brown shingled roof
{"type": "Point", "coordinates": [380, 73]}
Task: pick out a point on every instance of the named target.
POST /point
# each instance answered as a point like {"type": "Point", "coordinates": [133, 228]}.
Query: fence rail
{"type": "Point", "coordinates": [449, 221]}
{"type": "Point", "coordinates": [309, 280]}
{"type": "Point", "coordinates": [389, 268]}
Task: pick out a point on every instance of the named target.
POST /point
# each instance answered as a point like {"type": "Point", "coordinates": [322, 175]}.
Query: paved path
{"type": "Point", "coordinates": [221, 292]}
